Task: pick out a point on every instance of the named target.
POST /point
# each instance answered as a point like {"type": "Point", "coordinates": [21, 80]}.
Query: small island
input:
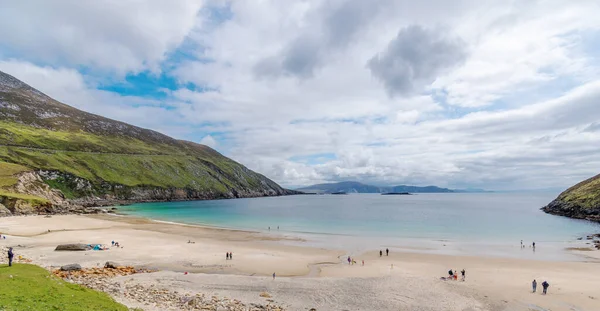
{"type": "Point", "coordinates": [339, 192]}
{"type": "Point", "coordinates": [396, 193]}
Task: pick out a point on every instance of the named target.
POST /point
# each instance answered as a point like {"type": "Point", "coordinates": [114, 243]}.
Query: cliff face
{"type": "Point", "coordinates": [581, 201]}
{"type": "Point", "coordinates": [86, 159]}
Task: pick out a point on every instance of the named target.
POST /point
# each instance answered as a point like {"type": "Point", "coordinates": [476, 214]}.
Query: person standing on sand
{"type": "Point", "coordinates": [349, 260]}
{"type": "Point", "coordinates": [534, 285]}
{"type": "Point", "coordinates": [463, 272]}
{"type": "Point", "coordinates": [545, 285]}
{"type": "Point", "coordinates": [533, 245]}
{"type": "Point", "coordinates": [363, 263]}
{"type": "Point", "coordinates": [230, 255]}
{"type": "Point", "coordinates": [380, 253]}
{"type": "Point", "coordinates": [387, 251]}
{"type": "Point", "coordinates": [273, 275]}
{"type": "Point", "coordinates": [10, 256]}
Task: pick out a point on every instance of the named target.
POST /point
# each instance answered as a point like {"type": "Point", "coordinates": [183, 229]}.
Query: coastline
{"type": "Point", "coordinates": [306, 276]}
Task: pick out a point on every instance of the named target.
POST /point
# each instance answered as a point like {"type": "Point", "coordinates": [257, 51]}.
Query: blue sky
{"type": "Point", "coordinates": [496, 95]}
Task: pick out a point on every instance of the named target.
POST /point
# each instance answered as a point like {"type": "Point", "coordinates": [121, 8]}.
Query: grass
{"type": "Point", "coordinates": [33, 200]}
{"type": "Point", "coordinates": [586, 194]}
{"type": "Point", "coordinates": [8, 172]}
{"type": "Point", "coordinates": [124, 161]}
{"type": "Point", "coordinates": [33, 288]}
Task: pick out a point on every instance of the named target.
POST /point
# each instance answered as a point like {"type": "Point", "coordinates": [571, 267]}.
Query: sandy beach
{"type": "Point", "coordinates": [306, 277]}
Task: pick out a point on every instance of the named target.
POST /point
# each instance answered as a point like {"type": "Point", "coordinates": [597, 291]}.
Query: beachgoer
{"type": "Point", "coordinates": [463, 272]}
{"type": "Point", "coordinates": [380, 253]}
{"type": "Point", "coordinates": [349, 260]}
{"type": "Point", "coordinates": [521, 243]}
{"type": "Point", "coordinates": [545, 285]}
{"type": "Point", "coordinates": [363, 262]}
{"type": "Point", "coordinates": [534, 285]}
{"type": "Point", "coordinates": [227, 256]}
{"type": "Point", "coordinates": [450, 273]}
{"type": "Point", "coordinates": [230, 256]}
{"type": "Point", "coordinates": [10, 256]}
{"type": "Point", "coordinates": [273, 275]}
{"type": "Point", "coordinates": [113, 243]}
{"type": "Point", "coordinates": [533, 245]}
{"type": "Point", "coordinates": [387, 252]}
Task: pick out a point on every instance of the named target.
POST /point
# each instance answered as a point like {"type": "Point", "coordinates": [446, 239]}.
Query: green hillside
{"type": "Point", "coordinates": [580, 201]}
{"type": "Point", "coordinates": [86, 155]}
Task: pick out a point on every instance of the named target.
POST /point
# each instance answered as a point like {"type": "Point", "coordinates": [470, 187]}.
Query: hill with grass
{"type": "Point", "coordinates": [53, 154]}
{"type": "Point", "coordinates": [581, 201]}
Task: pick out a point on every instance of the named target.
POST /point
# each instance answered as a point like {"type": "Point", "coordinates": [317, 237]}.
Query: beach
{"type": "Point", "coordinates": [306, 277]}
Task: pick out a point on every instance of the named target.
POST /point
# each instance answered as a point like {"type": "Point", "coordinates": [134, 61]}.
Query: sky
{"type": "Point", "coordinates": [467, 93]}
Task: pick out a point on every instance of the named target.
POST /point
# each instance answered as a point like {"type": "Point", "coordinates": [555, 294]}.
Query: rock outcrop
{"type": "Point", "coordinates": [581, 201]}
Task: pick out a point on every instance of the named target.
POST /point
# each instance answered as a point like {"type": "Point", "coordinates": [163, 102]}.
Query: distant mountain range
{"type": "Point", "coordinates": [357, 187]}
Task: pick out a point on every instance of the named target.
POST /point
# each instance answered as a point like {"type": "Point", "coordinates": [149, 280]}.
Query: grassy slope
{"type": "Point", "coordinates": [584, 195]}
{"type": "Point", "coordinates": [8, 172]}
{"type": "Point", "coordinates": [122, 160]}
{"type": "Point", "coordinates": [33, 288]}
{"type": "Point", "coordinates": [41, 133]}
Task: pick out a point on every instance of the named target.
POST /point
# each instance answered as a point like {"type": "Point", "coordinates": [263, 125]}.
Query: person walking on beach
{"type": "Point", "coordinates": [545, 285]}
{"type": "Point", "coordinates": [463, 272]}
{"type": "Point", "coordinates": [227, 256]}
{"type": "Point", "coordinates": [273, 275]}
{"type": "Point", "coordinates": [230, 255]}
{"type": "Point", "coordinates": [534, 285]}
{"type": "Point", "coordinates": [380, 253]}
{"type": "Point", "coordinates": [349, 260]}
{"type": "Point", "coordinates": [10, 257]}
{"type": "Point", "coordinates": [387, 252]}
{"type": "Point", "coordinates": [534, 245]}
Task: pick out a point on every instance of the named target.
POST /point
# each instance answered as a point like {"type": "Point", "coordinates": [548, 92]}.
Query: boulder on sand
{"type": "Point", "coordinates": [72, 247]}
{"type": "Point", "coordinates": [71, 267]}
{"type": "Point", "coordinates": [112, 265]}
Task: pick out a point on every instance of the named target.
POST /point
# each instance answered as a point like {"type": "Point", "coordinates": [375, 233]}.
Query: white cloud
{"type": "Point", "coordinates": [120, 35]}
{"type": "Point", "coordinates": [514, 104]}
{"type": "Point", "coordinates": [209, 141]}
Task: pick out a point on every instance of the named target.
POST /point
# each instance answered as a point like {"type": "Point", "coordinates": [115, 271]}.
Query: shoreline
{"type": "Point", "coordinates": [306, 276]}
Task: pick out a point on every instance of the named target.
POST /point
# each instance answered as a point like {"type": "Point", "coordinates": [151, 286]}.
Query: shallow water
{"type": "Point", "coordinates": [482, 224]}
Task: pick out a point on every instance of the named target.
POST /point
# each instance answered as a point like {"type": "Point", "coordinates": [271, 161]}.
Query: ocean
{"type": "Point", "coordinates": [488, 224]}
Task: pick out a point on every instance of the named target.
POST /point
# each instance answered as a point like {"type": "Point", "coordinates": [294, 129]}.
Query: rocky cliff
{"type": "Point", "coordinates": [54, 158]}
{"type": "Point", "coordinates": [581, 201]}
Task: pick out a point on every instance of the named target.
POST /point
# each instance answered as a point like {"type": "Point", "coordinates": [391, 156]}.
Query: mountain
{"type": "Point", "coordinates": [356, 187]}
{"type": "Point", "coordinates": [82, 158]}
{"type": "Point", "coordinates": [581, 201]}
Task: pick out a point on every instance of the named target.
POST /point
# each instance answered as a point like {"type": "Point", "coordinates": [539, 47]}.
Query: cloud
{"type": "Point", "coordinates": [116, 35]}
{"type": "Point", "coordinates": [209, 141]}
{"type": "Point", "coordinates": [489, 94]}
{"type": "Point", "coordinates": [415, 58]}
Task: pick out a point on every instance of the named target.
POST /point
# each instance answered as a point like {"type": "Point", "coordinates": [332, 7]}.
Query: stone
{"type": "Point", "coordinates": [112, 265]}
{"type": "Point", "coordinates": [71, 267]}
{"type": "Point", "coordinates": [73, 247]}
{"type": "Point", "coordinates": [4, 211]}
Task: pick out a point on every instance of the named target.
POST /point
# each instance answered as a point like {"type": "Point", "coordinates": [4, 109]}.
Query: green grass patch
{"type": "Point", "coordinates": [8, 172]}
{"type": "Point", "coordinates": [33, 288]}
{"type": "Point", "coordinates": [33, 200]}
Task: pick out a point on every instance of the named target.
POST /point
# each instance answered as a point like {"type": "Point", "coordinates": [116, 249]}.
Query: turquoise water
{"type": "Point", "coordinates": [463, 221]}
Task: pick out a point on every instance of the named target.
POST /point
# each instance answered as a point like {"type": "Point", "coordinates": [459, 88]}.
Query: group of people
{"type": "Point", "coordinates": [545, 286]}
{"type": "Point", "coordinates": [228, 256]}
{"type": "Point", "coordinates": [453, 275]}
{"type": "Point", "coordinates": [532, 245]}
{"type": "Point", "coordinates": [115, 244]}
{"type": "Point", "coordinates": [387, 252]}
